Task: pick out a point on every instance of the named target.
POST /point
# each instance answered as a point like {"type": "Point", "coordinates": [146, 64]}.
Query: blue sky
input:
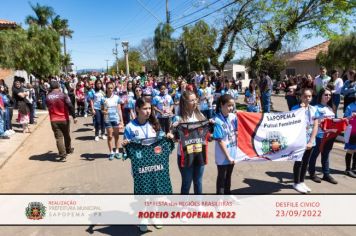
{"type": "Point", "coordinates": [96, 22]}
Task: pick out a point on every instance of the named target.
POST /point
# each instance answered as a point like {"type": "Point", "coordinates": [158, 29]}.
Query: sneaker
{"type": "Point", "coordinates": [118, 155]}
{"type": "Point", "coordinates": [104, 137]}
{"type": "Point", "coordinates": [305, 186]}
{"type": "Point", "coordinates": [354, 170]}
{"type": "Point", "coordinates": [96, 138]}
{"type": "Point", "coordinates": [111, 156]}
{"type": "Point", "coordinates": [85, 115]}
{"type": "Point", "coordinates": [299, 188]}
{"type": "Point", "coordinates": [350, 173]}
{"type": "Point", "coordinates": [7, 133]}
{"type": "Point", "coordinates": [62, 157]}
{"type": "Point", "coordinates": [70, 151]}
{"type": "Point", "coordinates": [158, 226]}
{"type": "Point", "coordinates": [329, 179]}
{"type": "Point", "coordinates": [143, 228]}
{"type": "Point", "coordinates": [315, 178]}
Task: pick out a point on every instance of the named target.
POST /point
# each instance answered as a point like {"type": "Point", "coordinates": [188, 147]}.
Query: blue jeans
{"type": "Point", "coordinates": [266, 101]}
{"type": "Point", "coordinates": [324, 156]}
{"type": "Point", "coordinates": [191, 174]}
{"type": "Point", "coordinates": [99, 122]}
{"type": "Point", "coordinates": [2, 115]}
{"type": "Point", "coordinates": [336, 98]}
{"type": "Point", "coordinates": [43, 99]}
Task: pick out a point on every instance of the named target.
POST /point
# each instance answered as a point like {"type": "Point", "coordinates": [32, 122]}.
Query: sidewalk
{"type": "Point", "coordinates": [9, 146]}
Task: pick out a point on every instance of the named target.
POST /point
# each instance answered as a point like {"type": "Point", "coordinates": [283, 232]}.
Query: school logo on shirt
{"type": "Point", "coordinates": [136, 132]}
{"type": "Point", "coordinates": [138, 154]}
{"type": "Point", "coordinates": [158, 150]}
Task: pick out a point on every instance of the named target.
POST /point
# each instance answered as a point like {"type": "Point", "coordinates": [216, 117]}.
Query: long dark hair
{"type": "Point", "coordinates": [95, 85]}
{"type": "Point", "coordinates": [140, 102]}
{"type": "Point", "coordinates": [183, 103]}
{"type": "Point", "coordinates": [222, 100]}
{"type": "Point", "coordinates": [320, 94]}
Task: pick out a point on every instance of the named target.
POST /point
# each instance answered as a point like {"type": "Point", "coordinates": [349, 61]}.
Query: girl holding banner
{"type": "Point", "coordinates": [225, 134]}
{"type": "Point", "coordinates": [300, 167]}
{"type": "Point", "coordinates": [350, 140]}
{"type": "Point", "coordinates": [323, 111]}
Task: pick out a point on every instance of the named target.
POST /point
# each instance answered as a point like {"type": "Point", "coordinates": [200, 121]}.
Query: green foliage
{"type": "Point", "coordinates": [135, 63]}
{"type": "Point", "coordinates": [341, 53]}
{"type": "Point", "coordinates": [166, 49]}
{"type": "Point", "coordinates": [198, 41]}
{"type": "Point", "coordinates": [36, 50]}
{"type": "Point", "coordinates": [42, 15]}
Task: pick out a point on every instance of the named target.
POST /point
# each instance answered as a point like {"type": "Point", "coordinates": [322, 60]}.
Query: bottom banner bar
{"type": "Point", "coordinates": [177, 209]}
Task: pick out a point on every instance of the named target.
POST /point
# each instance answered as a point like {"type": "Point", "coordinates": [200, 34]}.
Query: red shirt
{"type": "Point", "coordinates": [59, 106]}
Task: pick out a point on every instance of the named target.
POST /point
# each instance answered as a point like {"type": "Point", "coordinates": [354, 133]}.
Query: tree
{"type": "Point", "coordinates": [36, 50]}
{"type": "Point", "coordinates": [165, 48]}
{"type": "Point", "coordinates": [198, 42]}
{"type": "Point", "coordinates": [279, 20]}
{"type": "Point", "coordinates": [42, 16]}
{"type": "Point", "coordinates": [135, 63]}
{"type": "Point", "coordinates": [148, 55]}
{"type": "Point", "coordinates": [62, 27]}
{"type": "Point", "coordinates": [235, 20]}
{"type": "Point", "coordinates": [341, 53]}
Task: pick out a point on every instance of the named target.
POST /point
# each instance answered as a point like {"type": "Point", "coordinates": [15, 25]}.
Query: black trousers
{"type": "Point", "coordinates": [61, 130]}
{"type": "Point", "coordinates": [223, 182]}
{"type": "Point", "coordinates": [300, 167]}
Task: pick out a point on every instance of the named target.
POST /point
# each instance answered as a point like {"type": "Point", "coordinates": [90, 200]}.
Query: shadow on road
{"type": "Point", "coordinates": [261, 187]}
{"type": "Point", "coordinates": [93, 156]}
{"type": "Point", "coordinates": [283, 177]}
{"type": "Point", "coordinates": [85, 138]}
{"type": "Point", "coordinates": [116, 230]}
{"type": "Point", "coordinates": [83, 130]}
{"type": "Point", "coordinates": [332, 171]}
{"type": "Point", "coordinates": [49, 156]}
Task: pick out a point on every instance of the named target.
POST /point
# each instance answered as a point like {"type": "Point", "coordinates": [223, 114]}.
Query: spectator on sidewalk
{"type": "Point", "coordinates": [59, 106]}
{"type": "Point", "coordinates": [21, 96]}
{"type": "Point", "coordinates": [2, 112]}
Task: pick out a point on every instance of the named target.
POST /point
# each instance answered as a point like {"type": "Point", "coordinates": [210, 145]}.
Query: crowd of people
{"type": "Point", "coordinates": [146, 106]}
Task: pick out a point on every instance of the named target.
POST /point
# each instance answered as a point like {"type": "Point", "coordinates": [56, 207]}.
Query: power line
{"type": "Point", "coordinates": [206, 15]}
{"type": "Point", "coordinates": [148, 10]}
{"type": "Point", "coordinates": [196, 11]}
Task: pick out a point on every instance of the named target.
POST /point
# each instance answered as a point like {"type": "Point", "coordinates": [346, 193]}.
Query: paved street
{"type": "Point", "coordinates": [33, 169]}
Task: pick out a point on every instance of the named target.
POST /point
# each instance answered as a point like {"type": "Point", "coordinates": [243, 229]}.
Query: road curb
{"type": "Point", "coordinates": [23, 141]}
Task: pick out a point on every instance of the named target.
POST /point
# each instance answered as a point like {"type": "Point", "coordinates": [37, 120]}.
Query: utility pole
{"type": "Point", "coordinates": [116, 53]}
{"type": "Point", "coordinates": [107, 65]}
{"type": "Point", "coordinates": [167, 13]}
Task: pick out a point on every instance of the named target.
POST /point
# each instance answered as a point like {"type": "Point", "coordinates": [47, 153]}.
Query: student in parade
{"type": "Point", "coordinates": [225, 134]}
{"type": "Point", "coordinates": [112, 119]}
{"type": "Point", "coordinates": [251, 97]}
{"type": "Point", "coordinates": [95, 103]}
{"type": "Point", "coordinates": [205, 94]}
{"type": "Point", "coordinates": [188, 113]}
{"type": "Point", "coordinates": [322, 111]}
{"type": "Point", "coordinates": [130, 94]}
{"type": "Point", "coordinates": [300, 167]}
{"type": "Point", "coordinates": [132, 102]}
{"type": "Point", "coordinates": [337, 84]}
{"type": "Point", "coordinates": [230, 88]}
{"type": "Point", "coordinates": [349, 89]}
{"type": "Point", "coordinates": [163, 105]}
{"type": "Point", "coordinates": [350, 146]}
{"type": "Point", "coordinates": [182, 85]}
{"type": "Point", "coordinates": [146, 127]}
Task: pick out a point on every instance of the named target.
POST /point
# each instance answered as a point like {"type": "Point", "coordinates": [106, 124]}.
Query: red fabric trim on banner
{"type": "Point", "coordinates": [247, 124]}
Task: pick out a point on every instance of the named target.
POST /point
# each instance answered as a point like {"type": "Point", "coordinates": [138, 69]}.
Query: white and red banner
{"type": "Point", "coordinates": [271, 136]}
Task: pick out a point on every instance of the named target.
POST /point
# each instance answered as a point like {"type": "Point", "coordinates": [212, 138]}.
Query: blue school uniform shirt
{"type": "Point", "coordinates": [136, 131]}
{"type": "Point", "coordinates": [225, 129]}
{"type": "Point", "coordinates": [97, 98]}
{"type": "Point", "coordinates": [162, 103]}
{"type": "Point", "coordinates": [310, 114]}
{"type": "Point", "coordinates": [350, 109]}
{"type": "Point", "coordinates": [206, 98]}
{"type": "Point", "coordinates": [323, 112]}
{"type": "Point", "coordinates": [111, 104]}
